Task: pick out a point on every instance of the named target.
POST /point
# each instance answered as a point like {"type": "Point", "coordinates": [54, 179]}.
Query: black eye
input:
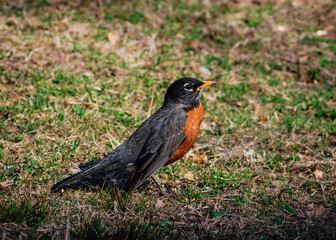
{"type": "Point", "coordinates": [188, 87]}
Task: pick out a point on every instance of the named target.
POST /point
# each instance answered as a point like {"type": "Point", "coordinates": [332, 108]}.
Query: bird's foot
{"type": "Point", "coordinates": [162, 191]}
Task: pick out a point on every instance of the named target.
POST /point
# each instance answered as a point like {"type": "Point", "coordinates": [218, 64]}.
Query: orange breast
{"type": "Point", "coordinates": [191, 130]}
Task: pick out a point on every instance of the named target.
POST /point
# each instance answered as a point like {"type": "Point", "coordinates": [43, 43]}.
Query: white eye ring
{"type": "Point", "coordinates": [188, 87]}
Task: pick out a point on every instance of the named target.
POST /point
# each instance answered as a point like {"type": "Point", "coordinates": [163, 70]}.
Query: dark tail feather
{"type": "Point", "coordinates": [66, 181]}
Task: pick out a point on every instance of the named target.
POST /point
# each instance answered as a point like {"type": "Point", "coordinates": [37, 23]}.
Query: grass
{"type": "Point", "coordinates": [77, 79]}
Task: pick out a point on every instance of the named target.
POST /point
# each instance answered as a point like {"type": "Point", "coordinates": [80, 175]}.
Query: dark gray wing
{"type": "Point", "coordinates": [165, 138]}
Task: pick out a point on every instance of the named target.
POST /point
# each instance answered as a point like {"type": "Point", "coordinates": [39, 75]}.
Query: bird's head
{"type": "Point", "coordinates": [186, 91]}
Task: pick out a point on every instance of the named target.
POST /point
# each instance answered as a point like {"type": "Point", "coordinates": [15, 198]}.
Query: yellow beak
{"type": "Point", "coordinates": [205, 84]}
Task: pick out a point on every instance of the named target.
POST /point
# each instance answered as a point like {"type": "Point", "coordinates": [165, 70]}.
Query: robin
{"type": "Point", "coordinates": [162, 139]}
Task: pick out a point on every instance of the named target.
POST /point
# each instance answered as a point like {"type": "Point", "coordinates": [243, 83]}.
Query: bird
{"type": "Point", "coordinates": [162, 139]}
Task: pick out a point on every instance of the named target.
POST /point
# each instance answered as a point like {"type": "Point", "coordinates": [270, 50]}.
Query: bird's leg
{"type": "Point", "coordinates": [156, 181]}
{"type": "Point", "coordinates": [163, 192]}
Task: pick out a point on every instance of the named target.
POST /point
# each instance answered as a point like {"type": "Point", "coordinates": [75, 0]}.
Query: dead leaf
{"type": "Point", "coordinates": [80, 29]}
{"type": "Point", "coordinates": [159, 204]}
{"type": "Point", "coordinates": [177, 182]}
{"type": "Point", "coordinates": [6, 183]}
{"type": "Point", "coordinates": [257, 108]}
{"type": "Point", "coordinates": [189, 176]}
{"type": "Point", "coordinates": [75, 170]}
{"type": "Point", "coordinates": [198, 45]}
{"type": "Point", "coordinates": [112, 92]}
{"type": "Point", "coordinates": [198, 158]}
{"type": "Point", "coordinates": [23, 234]}
{"type": "Point", "coordinates": [33, 22]}
{"type": "Point", "coordinates": [36, 192]}
{"type": "Point", "coordinates": [321, 33]}
{"type": "Point", "coordinates": [194, 66]}
{"type": "Point", "coordinates": [13, 130]}
{"type": "Point", "coordinates": [309, 210]}
{"type": "Point", "coordinates": [319, 211]}
{"type": "Point", "coordinates": [263, 119]}
{"type": "Point", "coordinates": [298, 3]}
{"type": "Point", "coordinates": [204, 72]}
{"type": "Point", "coordinates": [113, 39]}
{"type": "Point", "coordinates": [282, 28]}
{"type": "Point", "coordinates": [303, 75]}
{"type": "Point", "coordinates": [318, 174]}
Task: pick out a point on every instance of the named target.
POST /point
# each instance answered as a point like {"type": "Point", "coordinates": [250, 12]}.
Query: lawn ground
{"type": "Point", "coordinates": [76, 79]}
